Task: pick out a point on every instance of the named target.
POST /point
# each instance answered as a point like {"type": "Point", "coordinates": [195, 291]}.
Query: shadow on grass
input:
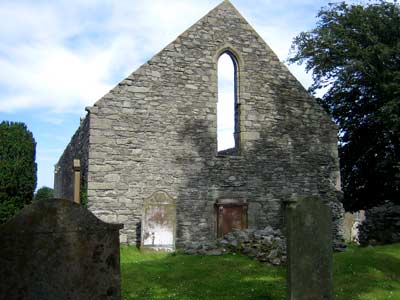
{"type": "Point", "coordinates": [359, 274]}
{"type": "Point", "coordinates": [201, 277]}
{"type": "Point", "coordinates": [367, 273]}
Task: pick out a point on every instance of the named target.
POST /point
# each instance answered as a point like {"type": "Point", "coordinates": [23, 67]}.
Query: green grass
{"type": "Point", "coordinates": [371, 273]}
{"type": "Point", "coordinates": [359, 274]}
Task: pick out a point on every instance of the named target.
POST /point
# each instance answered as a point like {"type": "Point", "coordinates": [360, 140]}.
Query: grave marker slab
{"type": "Point", "coordinates": [159, 222]}
{"type": "Point", "coordinates": [309, 246]}
{"type": "Point", "coordinates": [56, 249]}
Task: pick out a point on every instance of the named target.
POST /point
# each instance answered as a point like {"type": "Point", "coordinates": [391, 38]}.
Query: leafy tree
{"type": "Point", "coordinates": [354, 53]}
{"type": "Point", "coordinates": [44, 193]}
{"type": "Point", "coordinates": [17, 168]}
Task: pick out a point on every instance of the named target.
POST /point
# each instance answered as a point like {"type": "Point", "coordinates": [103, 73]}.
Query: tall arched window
{"type": "Point", "coordinates": [227, 107]}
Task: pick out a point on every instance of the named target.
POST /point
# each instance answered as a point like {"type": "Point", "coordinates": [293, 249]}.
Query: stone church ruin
{"type": "Point", "coordinates": [154, 138]}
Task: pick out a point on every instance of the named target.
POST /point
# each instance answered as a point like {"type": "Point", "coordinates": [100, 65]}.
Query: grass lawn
{"type": "Point", "coordinates": [359, 274]}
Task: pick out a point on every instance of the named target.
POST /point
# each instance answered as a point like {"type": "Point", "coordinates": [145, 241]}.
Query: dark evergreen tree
{"type": "Point", "coordinates": [354, 53]}
{"type": "Point", "coordinates": [17, 168]}
{"type": "Point", "coordinates": [44, 193]}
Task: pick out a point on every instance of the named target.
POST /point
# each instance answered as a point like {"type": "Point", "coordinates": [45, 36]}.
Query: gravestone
{"type": "Point", "coordinates": [348, 222]}
{"type": "Point", "coordinates": [309, 246]}
{"type": "Point", "coordinates": [56, 249]}
{"type": "Point", "coordinates": [350, 225]}
{"type": "Point", "coordinates": [159, 222]}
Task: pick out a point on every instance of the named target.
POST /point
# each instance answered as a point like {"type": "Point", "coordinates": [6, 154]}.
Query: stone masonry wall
{"type": "Point", "coordinates": [77, 148]}
{"type": "Point", "coordinates": [156, 131]}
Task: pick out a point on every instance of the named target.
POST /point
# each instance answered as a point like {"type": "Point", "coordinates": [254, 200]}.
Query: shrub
{"type": "Point", "coordinates": [44, 193]}
{"type": "Point", "coordinates": [17, 168]}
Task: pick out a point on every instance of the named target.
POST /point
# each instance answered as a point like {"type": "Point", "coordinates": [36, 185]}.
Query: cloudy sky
{"type": "Point", "coordinates": [57, 57]}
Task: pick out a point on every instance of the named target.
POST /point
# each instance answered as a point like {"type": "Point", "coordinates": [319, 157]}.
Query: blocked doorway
{"type": "Point", "coordinates": [159, 222]}
{"type": "Point", "coordinates": [230, 214]}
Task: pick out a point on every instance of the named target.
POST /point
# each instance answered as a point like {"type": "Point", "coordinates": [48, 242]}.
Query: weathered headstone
{"type": "Point", "coordinates": [159, 222]}
{"type": "Point", "coordinates": [309, 246]}
{"type": "Point", "coordinates": [350, 225]}
{"type": "Point", "coordinates": [348, 222]}
{"type": "Point", "coordinates": [56, 249]}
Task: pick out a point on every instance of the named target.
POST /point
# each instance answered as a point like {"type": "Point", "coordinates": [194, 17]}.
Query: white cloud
{"type": "Point", "coordinates": [49, 76]}
{"type": "Point", "coordinates": [65, 55]}
{"type": "Point", "coordinates": [226, 140]}
{"type": "Point", "coordinates": [226, 110]}
{"type": "Point", "coordinates": [225, 105]}
{"type": "Point", "coordinates": [225, 69]}
{"type": "Point", "coordinates": [60, 56]}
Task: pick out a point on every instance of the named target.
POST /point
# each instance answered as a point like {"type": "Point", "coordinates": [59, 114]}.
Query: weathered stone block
{"type": "Point", "coordinates": [56, 249]}
{"type": "Point", "coordinates": [137, 89]}
{"type": "Point", "coordinates": [309, 245]}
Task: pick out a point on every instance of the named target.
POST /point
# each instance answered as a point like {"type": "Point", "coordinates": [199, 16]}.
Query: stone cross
{"type": "Point", "coordinates": [309, 247]}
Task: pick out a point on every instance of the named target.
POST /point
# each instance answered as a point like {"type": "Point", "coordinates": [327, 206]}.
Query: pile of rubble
{"type": "Point", "coordinates": [265, 245]}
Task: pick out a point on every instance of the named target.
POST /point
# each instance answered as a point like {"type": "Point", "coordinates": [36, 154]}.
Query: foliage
{"type": "Point", "coordinates": [354, 53]}
{"type": "Point", "coordinates": [17, 168]}
{"type": "Point", "coordinates": [44, 193]}
{"type": "Point", "coordinates": [359, 273]}
{"type": "Point", "coordinates": [84, 195]}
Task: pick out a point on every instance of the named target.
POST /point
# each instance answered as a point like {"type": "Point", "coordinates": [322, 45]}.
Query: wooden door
{"type": "Point", "coordinates": [231, 217]}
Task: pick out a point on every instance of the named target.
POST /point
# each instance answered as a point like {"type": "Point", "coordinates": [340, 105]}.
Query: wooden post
{"type": "Point", "coordinates": [77, 181]}
{"type": "Point", "coordinates": [57, 185]}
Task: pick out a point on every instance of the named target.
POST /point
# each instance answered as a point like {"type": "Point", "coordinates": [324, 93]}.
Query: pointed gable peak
{"type": "Point", "coordinates": [227, 6]}
{"type": "Point", "coordinates": [226, 3]}
{"type": "Point", "coordinates": [226, 10]}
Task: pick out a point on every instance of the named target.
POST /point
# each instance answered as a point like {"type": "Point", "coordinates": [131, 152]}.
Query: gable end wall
{"type": "Point", "coordinates": [156, 131]}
